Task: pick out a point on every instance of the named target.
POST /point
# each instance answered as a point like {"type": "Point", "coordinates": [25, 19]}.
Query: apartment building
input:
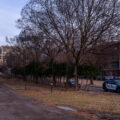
{"type": "Point", "coordinates": [4, 50]}
{"type": "Point", "coordinates": [10, 57]}
{"type": "Point", "coordinates": [109, 60]}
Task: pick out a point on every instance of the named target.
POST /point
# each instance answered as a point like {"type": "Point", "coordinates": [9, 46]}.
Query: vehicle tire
{"type": "Point", "coordinates": [118, 90]}
{"type": "Point", "coordinates": [105, 90]}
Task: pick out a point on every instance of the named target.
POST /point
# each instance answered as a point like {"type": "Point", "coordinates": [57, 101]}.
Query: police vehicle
{"type": "Point", "coordinates": [111, 85]}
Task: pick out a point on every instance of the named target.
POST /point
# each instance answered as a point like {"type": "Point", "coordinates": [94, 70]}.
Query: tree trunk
{"type": "Point", "coordinates": [54, 80]}
{"type": "Point", "coordinates": [36, 79]}
{"type": "Point", "coordinates": [76, 77]}
{"type": "Point", "coordinates": [67, 77]}
{"type": "Point", "coordinates": [86, 87]}
{"type": "Point", "coordinates": [25, 84]}
{"type": "Point", "coordinates": [91, 81]}
{"type": "Point", "coordinates": [53, 73]}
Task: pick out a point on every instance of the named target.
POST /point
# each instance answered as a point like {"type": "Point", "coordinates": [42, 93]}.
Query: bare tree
{"type": "Point", "coordinates": [76, 25]}
{"type": "Point", "coordinates": [51, 51]}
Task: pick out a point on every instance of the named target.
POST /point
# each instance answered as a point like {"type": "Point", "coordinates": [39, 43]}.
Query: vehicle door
{"type": "Point", "coordinates": [111, 85]}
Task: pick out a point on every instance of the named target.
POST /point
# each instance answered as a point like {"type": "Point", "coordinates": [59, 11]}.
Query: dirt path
{"type": "Point", "coordinates": [16, 107]}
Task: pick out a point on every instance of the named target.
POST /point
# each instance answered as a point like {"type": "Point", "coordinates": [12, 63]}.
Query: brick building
{"type": "Point", "coordinates": [4, 50]}
{"type": "Point", "coordinates": [109, 59]}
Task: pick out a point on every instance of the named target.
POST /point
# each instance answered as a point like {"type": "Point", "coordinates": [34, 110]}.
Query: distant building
{"type": "Point", "coordinates": [109, 59]}
{"type": "Point", "coordinates": [12, 56]}
{"type": "Point", "coordinates": [4, 50]}
{"type": "Point", "coordinates": [112, 67]}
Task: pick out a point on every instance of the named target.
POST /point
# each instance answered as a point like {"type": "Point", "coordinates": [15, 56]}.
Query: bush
{"type": "Point", "coordinates": [38, 69]}
{"type": "Point", "coordinates": [18, 70]}
{"type": "Point", "coordinates": [89, 71]}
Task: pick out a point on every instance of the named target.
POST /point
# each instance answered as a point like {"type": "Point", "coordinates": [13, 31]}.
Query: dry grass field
{"type": "Point", "coordinates": [80, 100]}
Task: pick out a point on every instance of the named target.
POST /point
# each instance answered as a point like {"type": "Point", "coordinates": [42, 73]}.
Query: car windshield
{"type": "Point", "coordinates": [118, 82]}
{"type": "Point", "coordinates": [72, 81]}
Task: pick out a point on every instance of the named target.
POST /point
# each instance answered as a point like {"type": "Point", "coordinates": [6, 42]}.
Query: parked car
{"type": "Point", "coordinates": [111, 85]}
{"type": "Point", "coordinates": [72, 83]}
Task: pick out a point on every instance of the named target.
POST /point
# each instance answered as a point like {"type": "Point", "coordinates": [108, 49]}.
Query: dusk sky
{"type": "Point", "coordinates": [9, 13]}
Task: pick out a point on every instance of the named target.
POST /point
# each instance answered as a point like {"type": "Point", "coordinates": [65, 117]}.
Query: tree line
{"type": "Point", "coordinates": [72, 28]}
{"type": "Point", "coordinates": [56, 71]}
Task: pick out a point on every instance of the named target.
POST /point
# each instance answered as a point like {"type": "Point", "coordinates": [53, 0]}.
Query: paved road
{"type": "Point", "coordinates": [16, 107]}
{"type": "Point", "coordinates": [93, 88]}
{"type": "Point", "coordinates": [98, 89]}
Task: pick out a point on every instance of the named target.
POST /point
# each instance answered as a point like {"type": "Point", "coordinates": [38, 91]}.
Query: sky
{"type": "Point", "coordinates": [9, 13]}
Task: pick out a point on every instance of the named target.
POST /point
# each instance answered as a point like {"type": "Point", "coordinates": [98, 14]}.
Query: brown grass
{"type": "Point", "coordinates": [81, 100]}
